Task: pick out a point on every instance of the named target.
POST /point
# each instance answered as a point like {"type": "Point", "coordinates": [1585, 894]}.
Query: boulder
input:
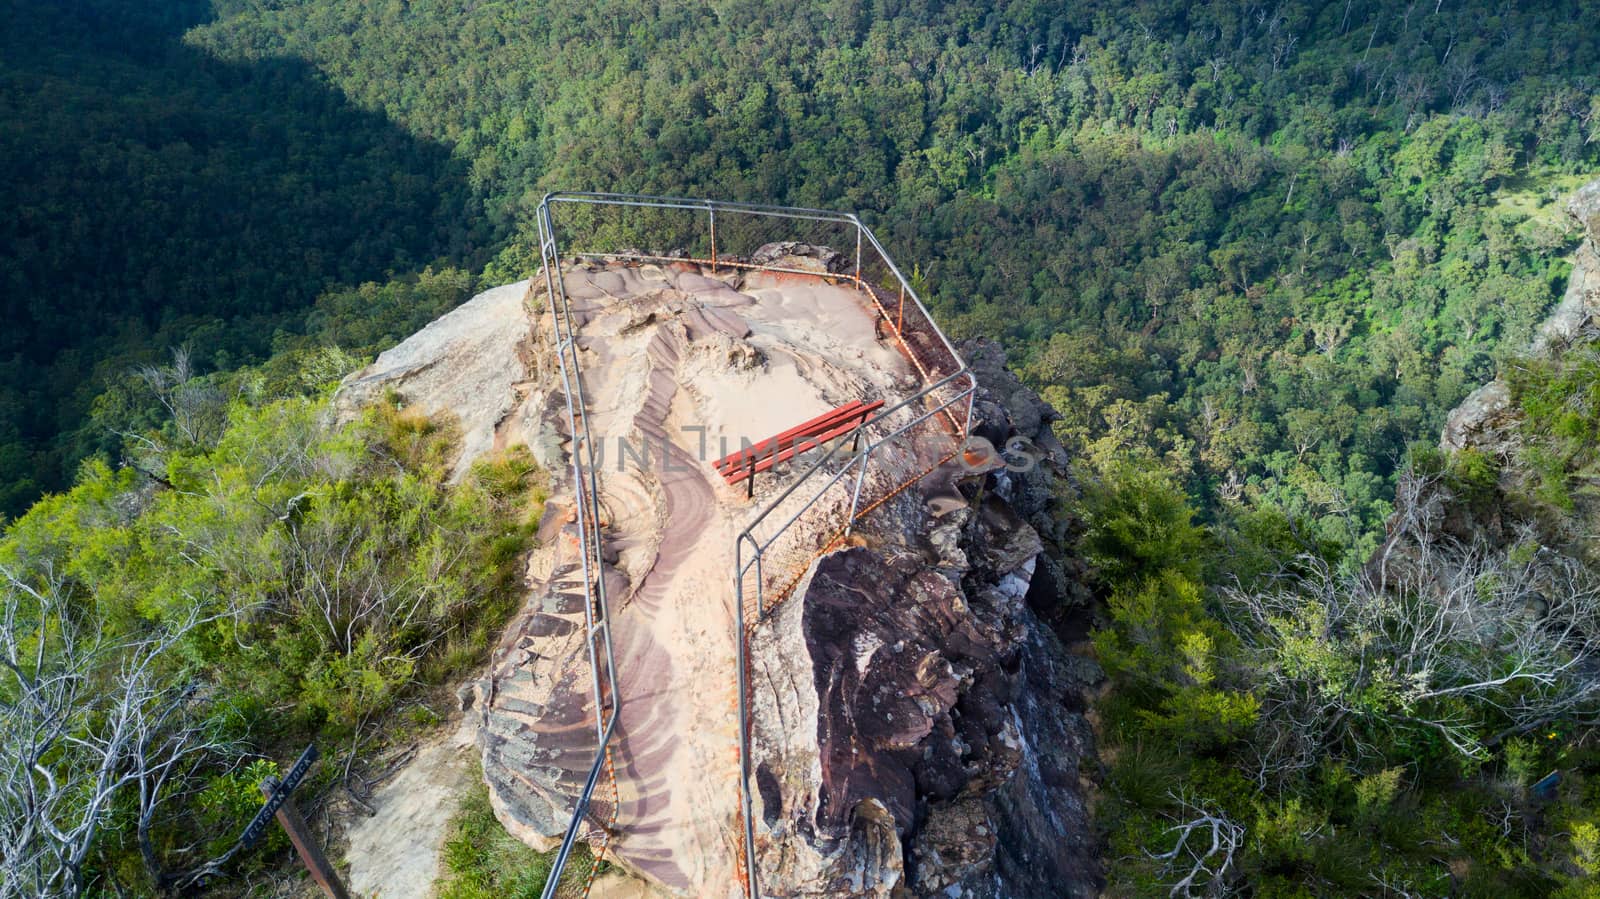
{"type": "Point", "coordinates": [802, 256]}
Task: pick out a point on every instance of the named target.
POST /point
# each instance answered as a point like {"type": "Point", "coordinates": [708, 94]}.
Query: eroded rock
{"type": "Point", "coordinates": [916, 726]}
{"type": "Point", "coordinates": [467, 366]}
{"type": "Point", "coordinates": [926, 702]}
{"type": "Point", "coordinates": [802, 256]}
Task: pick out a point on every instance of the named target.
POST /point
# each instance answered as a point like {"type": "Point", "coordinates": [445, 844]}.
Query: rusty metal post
{"type": "Point", "coordinates": [306, 845]}
{"type": "Point", "coordinates": [900, 328]}
{"type": "Point", "coordinates": [750, 482]}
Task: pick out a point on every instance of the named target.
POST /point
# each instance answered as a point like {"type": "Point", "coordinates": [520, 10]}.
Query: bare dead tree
{"type": "Point", "coordinates": [195, 407]}
{"type": "Point", "coordinates": [1468, 642]}
{"type": "Point", "coordinates": [1203, 857]}
{"type": "Point", "coordinates": [82, 719]}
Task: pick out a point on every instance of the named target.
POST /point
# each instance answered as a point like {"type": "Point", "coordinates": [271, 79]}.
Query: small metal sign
{"type": "Point", "coordinates": [1546, 787]}
{"type": "Point", "coordinates": [258, 826]}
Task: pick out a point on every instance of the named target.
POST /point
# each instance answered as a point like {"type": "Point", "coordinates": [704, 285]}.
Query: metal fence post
{"type": "Point", "coordinates": [742, 660]}
{"type": "Point", "coordinates": [712, 212]}
{"type": "Point", "coordinates": [855, 494]}
{"type": "Point", "coordinates": [858, 252]}
{"type": "Point", "coordinates": [761, 587]}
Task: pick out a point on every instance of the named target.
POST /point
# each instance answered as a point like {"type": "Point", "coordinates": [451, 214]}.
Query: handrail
{"type": "Point", "coordinates": [928, 399]}
{"type": "Point", "coordinates": [586, 485]}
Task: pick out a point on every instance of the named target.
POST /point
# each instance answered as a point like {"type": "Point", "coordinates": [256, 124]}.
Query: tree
{"type": "Point", "coordinates": [1462, 644]}
{"type": "Point", "coordinates": [84, 718]}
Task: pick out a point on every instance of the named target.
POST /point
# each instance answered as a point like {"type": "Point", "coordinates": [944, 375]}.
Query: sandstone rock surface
{"type": "Point", "coordinates": [471, 365]}
{"type": "Point", "coordinates": [916, 727]}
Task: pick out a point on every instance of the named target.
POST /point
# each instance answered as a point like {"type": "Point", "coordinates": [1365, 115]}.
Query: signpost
{"type": "Point", "coordinates": [280, 805]}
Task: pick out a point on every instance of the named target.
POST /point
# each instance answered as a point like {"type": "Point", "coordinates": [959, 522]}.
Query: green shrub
{"type": "Point", "coordinates": [336, 567]}
{"type": "Point", "coordinates": [483, 861]}
{"type": "Point", "coordinates": [228, 803]}
{"type": "Point", "coordinates": [1139, 523]}
{"type": "Point", "coordinates": [1375, 794]}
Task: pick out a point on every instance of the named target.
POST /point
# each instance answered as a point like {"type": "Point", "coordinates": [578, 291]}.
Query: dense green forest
{"type": "Point", "coordinates": [159, 197]}
{"type": "Point", "coordinates": [1269, 245]}
{"type": "Point", "coordinates": [1252, 252]}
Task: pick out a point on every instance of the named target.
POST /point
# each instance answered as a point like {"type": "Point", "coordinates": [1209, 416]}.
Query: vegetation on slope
{"type": "Point", "coordinates": [1304, 733]}
{"type": "Point", "coordinates": [158, 197]}
{"type": "Point", "coordinates": [483, 861]}
{"type": "Point", "coordinates": [263, 578]}
{"type": "Point", "coordinates": [1558, 399]}
{"type": "Point", "coordinates": [1265, 246]}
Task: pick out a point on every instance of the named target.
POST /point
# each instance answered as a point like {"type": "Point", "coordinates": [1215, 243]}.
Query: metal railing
{"type": "Point", "coordinates": [886, 453]}
{"type": "Point", "coordinates": [597, 618]}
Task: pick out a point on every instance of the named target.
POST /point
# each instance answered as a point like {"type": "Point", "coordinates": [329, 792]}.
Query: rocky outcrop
{"type": "Point", "coordinates": [1485, 421]}
{"type": "Point", "coordinates": [471, 365]}
{"type": "Point", "coordinates": [917, 728]}
{"type": "Point", "coordinates": [1578, 314]}
{"type": "Point", "coordinates": [1014, 419]}
{"type": "Point", "coordinates": [802, 256]}
{"type": "Point", "coordinates": [1489, 422]}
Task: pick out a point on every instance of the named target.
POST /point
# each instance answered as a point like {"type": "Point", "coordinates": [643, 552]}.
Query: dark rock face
{"type": "Point", "coordinates": [922, 730]}
{"type": "Point", "coordinates": [886, 676]}
{"type": "Point", "coordinates": [1004, 412]}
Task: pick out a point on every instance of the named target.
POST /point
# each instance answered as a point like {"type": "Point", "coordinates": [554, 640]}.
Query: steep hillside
{"type": "Point", "coordinates": [1426, 722]}
{"type": "Point", "coordinates": [1264, 248]}
{"type": "Point", "coordinates": [1524, 448]}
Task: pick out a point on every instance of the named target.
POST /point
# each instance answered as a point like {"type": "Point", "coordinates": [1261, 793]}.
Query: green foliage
{"type": "Point", "coordinates": [1139, 523]}
{"type": "Point", "coordinates": [1524, 760]}
{"type": "Point", "coordinates": [482, 861]}
{"type": "Point", "coordinates": [335, 566]}
{"type": "Point", "coordinates": [1257, 543]}
{"type": "Point", "coordinates": [1375, 795]}
{"type": "Point", "coordinates": [162, 197]}
{"type": "Point", "coordinates": [1162, 646]}
{"type": "Point", "coordinates": [1297, 716]}
{"type": "Point", "coordinates": [1473, 477]}
{"type": "Point", "coordinates": [230, 800]}
{"type": "Point", "coordinates": [1262, 251]}
{"type": "Point", "coordinates": [1559, 402]}
{"type": "Point", "coordinates": [1586, 847]}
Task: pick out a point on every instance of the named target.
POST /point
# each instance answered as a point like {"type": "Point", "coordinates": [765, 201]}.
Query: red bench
{"type": "Point", "coordinates": [735, 467]}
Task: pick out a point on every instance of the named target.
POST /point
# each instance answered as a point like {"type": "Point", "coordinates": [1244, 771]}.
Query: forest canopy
{"type": "Point", "coordinates": [1267, 246]}
{"type": "Point", "coordinates": [1253, 253]}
